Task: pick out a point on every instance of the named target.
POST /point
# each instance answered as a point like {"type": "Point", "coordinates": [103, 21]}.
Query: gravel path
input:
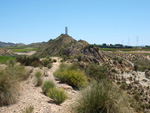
{"type": "Point", "coordinates": [33, 96]}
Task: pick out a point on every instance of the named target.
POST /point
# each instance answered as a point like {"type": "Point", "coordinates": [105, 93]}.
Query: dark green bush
{"type": "Point", "coordinates": [97, 72]}
{"type": "Point", "coordinates": [135, 67]}
{"type": "Point", "coordinates": [28, 61]}
{"type": "Point", "coordinates": [45, 62]}
{"type": "Point", "coordinates": [49, 66]}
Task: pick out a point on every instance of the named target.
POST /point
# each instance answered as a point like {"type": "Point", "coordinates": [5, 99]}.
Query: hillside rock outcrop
{"type": "Point", "coordinates": [4, 52]}
{"type": "Point", "coordinates": [147, 74]}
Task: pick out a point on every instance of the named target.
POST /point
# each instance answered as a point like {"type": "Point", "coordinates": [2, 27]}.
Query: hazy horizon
{"type": "Point", "coordinates": [98, 21]}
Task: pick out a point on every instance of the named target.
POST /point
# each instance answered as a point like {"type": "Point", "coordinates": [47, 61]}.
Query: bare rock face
{"type": "Point", "coordinates": [147, 74]}
{"type": "Point", "coordinates": [93, 55]}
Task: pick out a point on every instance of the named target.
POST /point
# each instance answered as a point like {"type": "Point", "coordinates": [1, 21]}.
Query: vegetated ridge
{"type": "Point", "coordinates": [4, 44]}
{"type": "Point", "coordinates": [62, 45]}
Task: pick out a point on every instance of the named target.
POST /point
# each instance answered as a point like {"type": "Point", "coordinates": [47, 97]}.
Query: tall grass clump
{"type": "Point", "coordinates": [47, 85]}
{"type": "Point", "coordinates": [18, 72]}
{"type": "Point", "coordinates": [58, 95]}
{"type": "Point", "coordinates": [9, 81]}
{"type": "Point", "coordinates": [7, 88]}
{"type": "Point", "coordinates": [75, 78]}
{"type": "Point", "coordinates": [38, 78]}
{"type": "Point", "coordinates": [102, 97]}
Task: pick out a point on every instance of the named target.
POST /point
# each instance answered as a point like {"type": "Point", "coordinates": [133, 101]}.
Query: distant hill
{"type": "Point", "coordinates": [62, 45]}
{"type": "Point", "coordinates": [4, 44]}
{"type": "Point", "coordinates": [37, 45]}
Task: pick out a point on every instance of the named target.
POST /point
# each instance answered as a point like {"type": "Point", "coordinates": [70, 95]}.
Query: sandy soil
{"type": "Point", "coordinates": [33, 96]}
{"type": "Point", "coordinates": [140, 76]}
{"type": "Point", "coordinates": [28, 53]}
{"type": "Point", "coordinates": [138, 51]}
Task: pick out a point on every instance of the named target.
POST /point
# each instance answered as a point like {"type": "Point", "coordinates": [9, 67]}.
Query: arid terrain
{"type": "Point", "coordinates": [74, 67]}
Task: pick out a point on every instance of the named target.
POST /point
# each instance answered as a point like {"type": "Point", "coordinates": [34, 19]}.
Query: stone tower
{"type": "Point", "coordinates": [66, 30]}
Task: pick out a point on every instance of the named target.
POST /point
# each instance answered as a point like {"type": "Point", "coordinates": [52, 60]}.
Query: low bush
{"type": "Point", "coordinates": [38, 79]}
{"type": "Point", "coordinates": [40, 66]}
{"type": "Point", "coordinates": [29, 109]}
{"type": "Point", "coordinates": [58, 95]}
{"type": "Point", "coordinates": [72, 77]}
{"type": "Point", "coordinates": [45, 62]}
{"type": "Point", "coordinates": [28, 61]}
{"type": "Point", "coordinates": [47, 85]}
{"type": "Point", "coordinates": [141, 64]}
{"type": "Point", "coordinates": [49, 66]}
{"type": "Point", "coordinates": [97, 72]}
{"type": "Point", "coordinates": [102, 97]}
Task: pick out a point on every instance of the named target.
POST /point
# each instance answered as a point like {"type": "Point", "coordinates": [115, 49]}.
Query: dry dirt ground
{"type": "Point", "coordinates": [33, 96]}
{"type": "Point", "coordinates": [28, 53]}
{"type": "Point", "coordinates": [139, 51]}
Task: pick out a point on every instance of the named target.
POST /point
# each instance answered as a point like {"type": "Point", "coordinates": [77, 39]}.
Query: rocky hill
{"type": "Point", "coordinates": [62, 45]}
{"type": "Point", "coordinates": [37, 45]}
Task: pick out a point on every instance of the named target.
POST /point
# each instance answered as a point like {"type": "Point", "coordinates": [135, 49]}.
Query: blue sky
{"type": "Point", "coordinates": [96, 21]}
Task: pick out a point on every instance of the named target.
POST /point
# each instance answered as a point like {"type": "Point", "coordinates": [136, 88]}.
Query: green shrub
{"type": "Point", "coordinates": [41, 67]}
{"type": "Point", "coordinates": [102, 97]}
{"type": "Point", "coordinates": [49, 66]}
{"type": "Point", "coordinates": [97, 72]}
{"type": "Point", "coordinates": [72, 77]}
{"type": "Point", "coordinates": [58, 95]}
{"type": "Point", "coordinates": [141, 64]}
{"type": "Point", "coordinates": [28, 109]}
{"type": "Point", "coordinates": [45, 62]}
{"type": "Point", "coordinates": [38, 79]}
{"type": "Point", "coordinates": [28, 61]}
{"type": "Point", "coordinates": [47, 85]}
